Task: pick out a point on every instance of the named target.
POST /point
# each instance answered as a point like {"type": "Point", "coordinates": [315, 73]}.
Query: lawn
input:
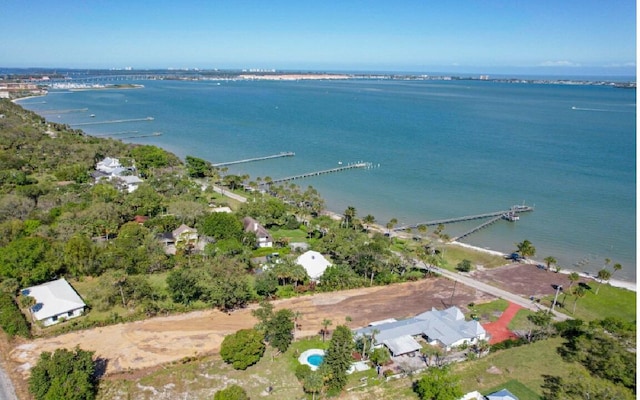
{"type": "Point", "coordinates": [488, 312]}
{"type": "Point", "coordinates": [609, 302]}
{"type": "Point", "coordinates": [525, 364]}
{"type": "Point", "coordinates": [455, 254]}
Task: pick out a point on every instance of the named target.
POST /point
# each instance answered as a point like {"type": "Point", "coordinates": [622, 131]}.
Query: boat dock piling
{"type": "Point", "coordinates": [247, 160]}
{"type": "Point", "coordinates": [326, 171]}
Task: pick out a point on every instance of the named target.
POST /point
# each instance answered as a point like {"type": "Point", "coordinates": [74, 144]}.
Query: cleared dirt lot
{"type": "Point", "coordinates": [149, 343]}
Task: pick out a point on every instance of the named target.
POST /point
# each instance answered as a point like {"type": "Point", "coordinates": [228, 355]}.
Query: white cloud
{"type": "Point", "coordinates": [562, 63]}
{"type": "Point", "coordinates": [627, 64]}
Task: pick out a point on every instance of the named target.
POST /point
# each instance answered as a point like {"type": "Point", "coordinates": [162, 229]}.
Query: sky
{"type": "Point", "coordinates": [488, 36]}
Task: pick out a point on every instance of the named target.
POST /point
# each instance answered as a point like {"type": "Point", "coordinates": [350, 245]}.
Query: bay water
{"type": "Point", "coordinates": [440, 149]}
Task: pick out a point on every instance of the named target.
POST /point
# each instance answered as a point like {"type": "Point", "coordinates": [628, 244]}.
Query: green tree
{"type": "Point", "coordinates": [603, 276]}
{"type": "Point", "coordinates": [233, 392]}
{"type": "Point", "coordinates": [579, 292]}
{"type": "Point", "coordinates": [380, 356]}
{"type": "Point", "coordinates": [243, 348]}
{"type": "Point", "coordinates": [337, 360]}
{"type": "Point", "coordinates": [185, 285]}
{"type": "Point", "coordinates": [222, 226]}
{"type": "Point", "coordinates": [325, 327]}
{"type": "Point", "coordinates": [280, 329]}
{"type": "Point", "coordinates": [549, 261]}
{"type": "Point", "coordinates": [526, 249]}
{"type": "Point", "coordinates": [197, 167]}
{"type": "Point", "coordinates": [65, 374]}
{"type": "Point", "coordinates": [368, 220]}
{"type": "Point", "coordinates": [349, 216]}
{"type": "Point", "coordinates": [438, 384]}
{"type": "Point", "coordinates": [313, 383]}
{"type": "Point", "coordinates": [464, 266]}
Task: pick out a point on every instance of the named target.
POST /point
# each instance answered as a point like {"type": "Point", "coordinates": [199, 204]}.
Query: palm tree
{"type": "Point", "coordinates": [603, 275]}
{"type": "Point", "coordinates": [325, 327]}
{"type": "Point", "coordinates": [313, 384]}
{"type": "Point", "coordinates": [616, 267]}
{"type": "Point", "coordinates": [549, 261]}
{"type": "Point", "coordinates": [368, 220]}
{"type": "Point", "coordinates": [579, 292]}
{"type": "Point", "coordinates": [526, 249]}
{"type": "Point", "coordinates": [349, 215]}
{"type": "Point", "coordinates": [392, 222]}
{"type": "Point", "coordinates": [422, 229]}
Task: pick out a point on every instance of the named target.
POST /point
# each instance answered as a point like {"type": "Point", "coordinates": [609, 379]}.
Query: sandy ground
{"type": "Point", "coordinates": [149, 343]}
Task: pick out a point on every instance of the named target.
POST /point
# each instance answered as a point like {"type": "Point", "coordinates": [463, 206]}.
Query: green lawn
{"type": "Point", "coordinates": [525, 364]}
{"type": "Point", "coordinates": [455, 254]}
{"type": "Point", "coordinates": [489, 311]}
{"type": "Point", "coordinates": [609, 302]}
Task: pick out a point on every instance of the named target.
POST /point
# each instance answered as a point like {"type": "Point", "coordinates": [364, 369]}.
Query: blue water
{"type": "Point", "coordinates": [444, 149]}
{"type": "Point", "coordinates": [315, 360]}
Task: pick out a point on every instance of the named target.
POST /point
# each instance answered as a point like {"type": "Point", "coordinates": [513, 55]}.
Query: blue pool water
{"type": "Point", "coordinates": [315, 360]}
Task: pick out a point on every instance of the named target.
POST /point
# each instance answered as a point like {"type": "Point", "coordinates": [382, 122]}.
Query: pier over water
{"type": "Point", "coordinates": [325, 171]}
{"type": "Point", "coordinates": [247, 160]}
{"type": "Point", "coordinates": [504, 213]}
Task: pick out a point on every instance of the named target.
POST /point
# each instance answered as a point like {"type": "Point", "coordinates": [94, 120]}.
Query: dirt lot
{"type": "Point", "coordinates": [145, 344]}
{"type": "Point", "coordinates": [524, 279]}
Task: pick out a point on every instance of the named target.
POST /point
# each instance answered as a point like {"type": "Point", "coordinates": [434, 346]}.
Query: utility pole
{"type": "Point", "coordinates": [558, 289]}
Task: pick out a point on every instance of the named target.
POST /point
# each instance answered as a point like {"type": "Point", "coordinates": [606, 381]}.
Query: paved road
{"type": "Point", "coordinates": [7, 392]}
{"type": "Point", "coordinates": [503, 294]}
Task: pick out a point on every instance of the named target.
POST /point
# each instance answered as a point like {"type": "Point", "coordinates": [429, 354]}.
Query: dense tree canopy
{"type": "Point", "coordinates": [65, 375]}
{"type": "Point", "coordinates": [243, 348]}
{"type": "Point", "coordinates": [438, 384]}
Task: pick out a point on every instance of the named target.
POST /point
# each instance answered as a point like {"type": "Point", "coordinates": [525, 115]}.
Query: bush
{"type": "Point", "coordinates": [507, 344]}
{"type": "Point", "coordinates": [243, 348]}
{"type": "Point", "coordinates": [12, 320]}
{"type": "Point", "coordinates": [233, 392]}
{"type": "Point", "coordinates": [302, 372]}
{"type": "Point", "coordinates": [64, 374]}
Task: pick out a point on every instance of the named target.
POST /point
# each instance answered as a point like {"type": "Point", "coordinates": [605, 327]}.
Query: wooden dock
{"type": "Point", "coordinates": [513, 210]}
{"type": "Point", "coordinates": [247, 160]}
{"type": "Point", "coordinates": [326, 171]}
{"type": "Point", "coordinates": [477, 228]}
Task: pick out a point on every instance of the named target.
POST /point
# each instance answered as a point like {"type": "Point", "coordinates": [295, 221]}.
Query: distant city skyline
{"type": "Point", "coordinates": [570, 37]}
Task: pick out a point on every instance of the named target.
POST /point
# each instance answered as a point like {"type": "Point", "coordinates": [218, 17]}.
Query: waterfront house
{"type": "Point", "coordinates": [111, 169]}
{"type": "Point", "coordinates": [445, 328]}
{"type": "Point", "coordinates": [263, 236]}
{"type": "Point", "coordinates": [314, 263]}
{"type": "Point", "coordinates": [55, 301]}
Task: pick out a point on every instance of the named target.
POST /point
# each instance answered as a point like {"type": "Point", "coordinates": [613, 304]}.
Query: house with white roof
{"type": "Point", "coordinates": [110, 169]}
{"type": "Point", "coordinates": [262, 234]}
{"type": "Point", "coordinates": [55, 301]}
{"type": "Point", "coordinates": [314, 263]}
{"type": "Point", "coordinates": [446, 328]}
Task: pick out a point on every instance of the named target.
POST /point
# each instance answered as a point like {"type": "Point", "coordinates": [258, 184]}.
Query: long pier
{"type": "Point", "coordinates": [513, 210]}
{"type": "Point", "coordinates": [116, 133]}
{"type": "Point", "coordinates": [477, 228]}
{"type": "Point", "coordinates": [69, 110]}
{"type": "Point", "coordinates": [326, 171]}
{"type": "Point", "coordinates": [114, 121]}
{"type": "Point", "coordinates": [247, 160]}
{"type": "Point", "coordinates": [142, 136]}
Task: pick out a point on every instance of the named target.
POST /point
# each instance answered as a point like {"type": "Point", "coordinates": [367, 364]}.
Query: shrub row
{"type": "Point", "coordinates": [12, 321]}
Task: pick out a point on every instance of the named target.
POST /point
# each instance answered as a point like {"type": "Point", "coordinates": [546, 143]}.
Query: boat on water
{"type": "Point", "coordinates": [511, 216]}
{"type": "Point", "coordinates": [92, 115]}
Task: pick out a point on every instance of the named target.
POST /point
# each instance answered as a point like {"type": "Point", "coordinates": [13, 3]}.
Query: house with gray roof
{"type": "Point", "coordinates": [446, 328]}
{"type": "Point", "coordinates": [503, 394]}
{"type": "Point", "coordinates": [55, 301]}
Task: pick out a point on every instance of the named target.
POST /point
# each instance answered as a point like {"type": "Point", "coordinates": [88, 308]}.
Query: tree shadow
{"type": "Point", "coordinates": [584, 285]}
{"type": "Point", "coordinates": [100, 367]}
